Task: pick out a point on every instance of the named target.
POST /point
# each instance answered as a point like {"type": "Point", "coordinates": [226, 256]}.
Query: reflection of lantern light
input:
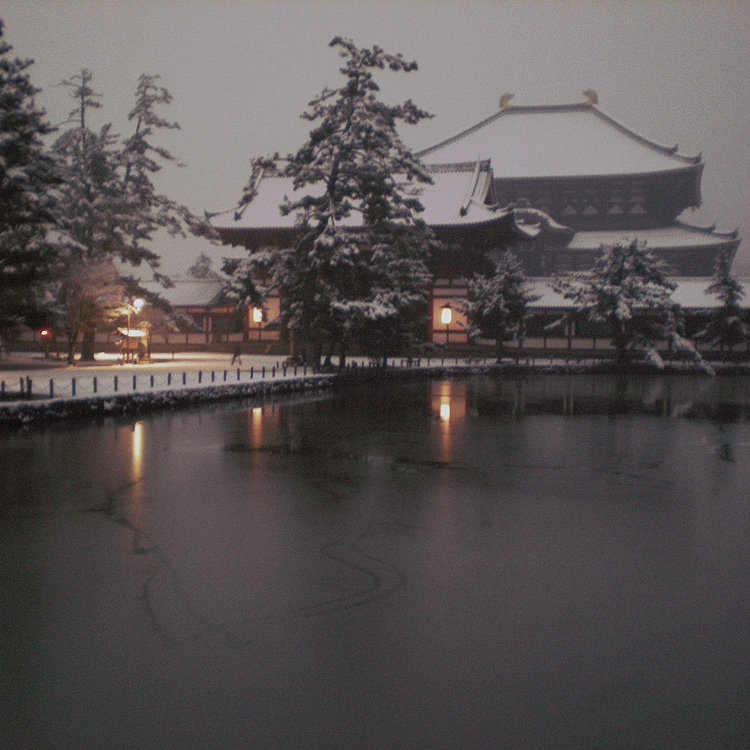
{"type": "Point", "coordinates": [137, 449]}
{"type": "Point", "coordinates": [445, 412]}
{"type": "Point", "coordinates": [256, 426]}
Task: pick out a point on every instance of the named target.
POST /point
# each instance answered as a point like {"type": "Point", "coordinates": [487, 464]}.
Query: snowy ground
{"type": "Point", "coordinates": [106, 386]}
{"type": "Point", "coordinates": [165, 372]}
{"type": "Point", "coordinates": [33, 388]}
{"type": "Point", "coordinates": [53, 380]}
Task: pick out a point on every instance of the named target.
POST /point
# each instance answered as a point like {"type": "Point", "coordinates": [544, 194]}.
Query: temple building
{"type": "Point", "coordinates": [553, 182]}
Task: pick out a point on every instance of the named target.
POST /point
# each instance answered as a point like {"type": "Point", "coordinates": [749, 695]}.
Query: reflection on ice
{"type": "Point", "coordinates": [470, 563]}
{"type": "Point", "coordinates": [137, 450]}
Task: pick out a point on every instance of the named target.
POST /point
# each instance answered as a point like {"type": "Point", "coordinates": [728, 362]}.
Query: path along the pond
{"type": "Point", "coordinates": [33, 388]}
{"type": "Point", "coordinates": [107, 375]}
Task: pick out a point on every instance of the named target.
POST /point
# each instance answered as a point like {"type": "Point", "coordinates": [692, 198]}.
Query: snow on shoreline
{"type": "Point", "coordinates": [41, 410]}
{"type": "Point", "coordinates": [51, 410]}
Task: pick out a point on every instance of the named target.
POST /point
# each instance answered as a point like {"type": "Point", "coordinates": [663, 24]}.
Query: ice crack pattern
{"type": "Point", "coordinates": [176, 619]}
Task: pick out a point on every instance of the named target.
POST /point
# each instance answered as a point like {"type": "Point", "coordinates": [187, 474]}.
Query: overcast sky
{"type": "Point", "coordinates": [241, 72]}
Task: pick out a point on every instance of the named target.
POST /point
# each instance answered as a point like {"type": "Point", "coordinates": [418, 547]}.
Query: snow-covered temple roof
{"type": "Point", "coordinates": [460, 195]}
{"type": "Point", "coordinates": [680, 235]}
{"type": "Point", "coordinates": [567, 140]}
{"type": "Point", "coordinates": [188, 292]}
{"type": "Point", "coordinates": [690, 294]}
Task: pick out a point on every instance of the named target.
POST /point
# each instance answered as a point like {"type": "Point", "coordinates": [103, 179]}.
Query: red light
{"type": "Point", "coordinates": [44, 332]}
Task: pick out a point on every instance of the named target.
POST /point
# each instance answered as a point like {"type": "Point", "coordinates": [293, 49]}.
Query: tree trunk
{"type": "Point", "coordinates": [88, 345]}
{"type": "Point", "coordinates": [499, 349]}
{"type": "Point", "coordinates": [621, 347]}
{"type": "Point", "coordinates": [71, 346]}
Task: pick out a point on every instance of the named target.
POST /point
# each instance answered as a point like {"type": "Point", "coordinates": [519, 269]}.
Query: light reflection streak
{"type": "Point", "coordinates": [445, 411]}
{"type": "Point", "coordinates": [137, 450]}
{"type": "Point", "coordinates": [137, 493]}
{"type": "Point", "coordinates": [256, 427]}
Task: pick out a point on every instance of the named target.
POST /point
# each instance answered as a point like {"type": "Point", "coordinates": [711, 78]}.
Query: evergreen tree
{"type": "Point", "coordinates": [153, 211]}
{"type": "Point", "coordinates": [202, 269]}
{"type": "Point", "coordinates": [497, 306]}
{"type": "Point", "coordinates": [356, 273]}
{"type": "Point", "coordinates": [109, 207]}
{"type": "Point", "coordinates": [27, 174]}
{"type": "Point", "coordinates": [91, 293]}
{"type": "Point", "coordinates": [727, 325]}
{"type": "Point", "coordinates": [628, 290]}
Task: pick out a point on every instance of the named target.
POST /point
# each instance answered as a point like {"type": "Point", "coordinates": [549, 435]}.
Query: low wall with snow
{"type": "Point", "coordinates": [51, 410]}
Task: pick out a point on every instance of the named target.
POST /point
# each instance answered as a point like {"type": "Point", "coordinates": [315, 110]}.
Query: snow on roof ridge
{"type": "Point", "coordinates": [709, 229]}
{"type": "Point", "coordinates": [460, 166]}
{"type": "Point", "coordinates": [513, 109]}
{"type": "Point", "coordinates": [670, 150]}
{"type": "Point", "coordinates": [506, 110]}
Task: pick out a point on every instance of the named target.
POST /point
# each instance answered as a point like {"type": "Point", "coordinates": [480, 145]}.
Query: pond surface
{"type": "Point", "coordinates": [553, 562]}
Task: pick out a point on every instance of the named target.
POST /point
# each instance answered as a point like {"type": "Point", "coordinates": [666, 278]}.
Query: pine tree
{"type": "Point", "coordinates": [153, 211]}
{"type": "Point", "coordinates": [109, 207]}
{"type": "Point", "coordinates": [357, 271]}
{"type": "Point", "coordinates": [202, 268]}
{"type": "Point", "coordinates": [628, 290]}
{"type": "Point", "coordinates": [27, 174]}
{"type": "Point", "coordinates": [91, 293]}
{"type": "Point", "coordinates": [727, 325]}
{"type": "Point", "coordinates": [497, 306]}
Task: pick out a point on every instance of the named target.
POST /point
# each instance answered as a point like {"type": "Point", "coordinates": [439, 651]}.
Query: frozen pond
{"type": "Point", "coordinates": [556, 562]}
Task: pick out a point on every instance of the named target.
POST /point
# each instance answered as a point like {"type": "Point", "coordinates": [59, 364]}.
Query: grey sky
{"type": "Point", "coordinates": [242, 72]}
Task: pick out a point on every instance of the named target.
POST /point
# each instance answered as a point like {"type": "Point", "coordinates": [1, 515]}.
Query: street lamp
{"type": "Point", "coordinates": [45, 334]}
{"type": "Point", "coordinates": [258, 318]}
{"type": "Point", "coordinates": [446, 316]}
{"type": "Point", "coordinates": [135, 306]}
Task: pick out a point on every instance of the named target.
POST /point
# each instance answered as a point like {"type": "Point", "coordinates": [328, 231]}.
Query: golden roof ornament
{"type": "Point", "coordinates": [591, 97]}
{"type": "Point", "coordinates": [505, 100]}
